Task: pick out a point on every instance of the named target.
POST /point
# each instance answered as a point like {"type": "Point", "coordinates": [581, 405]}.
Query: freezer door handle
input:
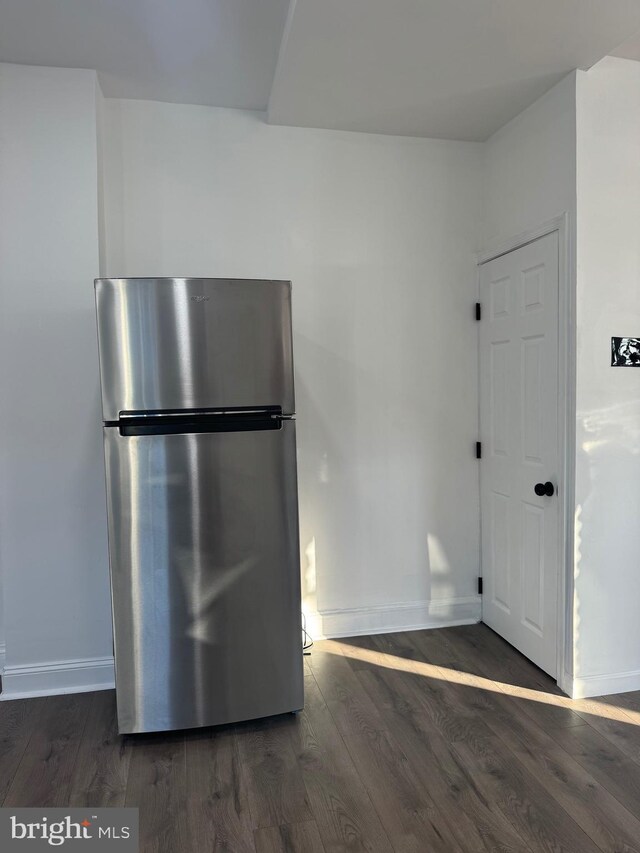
{"type": "Point", "coordinates": [176, 424]}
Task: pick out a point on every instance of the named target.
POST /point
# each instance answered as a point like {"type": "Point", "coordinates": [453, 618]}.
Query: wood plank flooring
{"type": "Point", "coordinates": [443, 741]}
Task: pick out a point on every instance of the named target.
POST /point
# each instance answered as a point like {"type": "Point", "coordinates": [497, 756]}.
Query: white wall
{"type": "Point", "coordinates": [530, 167]}
{"type": "Point", "coordinates": [2, 642]}
{"type": "Point", "coordinates": [102, 236]}
{"type": "Point", "coordinates": [607, 629]}
{"type": "Point", "coordinates": [52, 517]}
{"type": "Point", "coordinates": [377, 234]}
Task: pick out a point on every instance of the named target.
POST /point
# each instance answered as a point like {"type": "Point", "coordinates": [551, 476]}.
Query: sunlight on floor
{"type": "Point", "coordinates": [453, 676]}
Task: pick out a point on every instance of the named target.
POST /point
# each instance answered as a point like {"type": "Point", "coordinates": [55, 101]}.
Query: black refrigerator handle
{"type": "Point", "coordinates": [174, 423]}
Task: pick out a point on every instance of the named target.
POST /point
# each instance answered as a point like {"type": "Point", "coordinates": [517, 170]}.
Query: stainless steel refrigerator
{"type": "Point", "coordinates": [200, 456]}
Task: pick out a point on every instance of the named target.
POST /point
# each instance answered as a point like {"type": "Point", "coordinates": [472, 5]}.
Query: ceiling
{"type": "Point", "coordinates": [217, 52]}
{"type": "Point", "coordinates": [629, 49]}
{"type": "Point", "coordinates": [456, 69]}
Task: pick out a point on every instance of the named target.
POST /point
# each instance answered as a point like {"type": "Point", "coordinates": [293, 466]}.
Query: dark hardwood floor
{"type": "Point", "coordinates": [443, 741]}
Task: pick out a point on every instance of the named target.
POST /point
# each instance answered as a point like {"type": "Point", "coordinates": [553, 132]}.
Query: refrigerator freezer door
{"type": "Point", "coordinates": [194, 343]}
{"type": "Point", "coordinates": [203, 544]}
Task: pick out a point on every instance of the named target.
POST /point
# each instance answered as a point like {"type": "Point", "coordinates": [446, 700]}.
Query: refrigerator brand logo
{"type": "Point", "coordinates": [41, 829]}
{"type": "Point", "coordinates": [199, 298]}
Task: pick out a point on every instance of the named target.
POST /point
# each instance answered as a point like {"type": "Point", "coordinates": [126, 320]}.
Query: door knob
{"type": "Point", "coordinates": [542, 489]}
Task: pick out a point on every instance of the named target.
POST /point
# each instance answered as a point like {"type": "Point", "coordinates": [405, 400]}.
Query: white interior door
{"type": "Point", "coordinates": [519, 434]}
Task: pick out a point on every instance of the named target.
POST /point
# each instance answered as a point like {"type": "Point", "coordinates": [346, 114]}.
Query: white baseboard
{"type": "Point", "coordinates": [3, 650]}
{"type": "Point", "coordinates": [388, 618]}
{"type": "Point", "coordinates": [51, 679]}
{"type": "Point", "coordinates": [604, 685]}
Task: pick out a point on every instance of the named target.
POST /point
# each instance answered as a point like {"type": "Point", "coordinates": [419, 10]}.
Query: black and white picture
{"type": "Point", "coordinates": [625, 352]}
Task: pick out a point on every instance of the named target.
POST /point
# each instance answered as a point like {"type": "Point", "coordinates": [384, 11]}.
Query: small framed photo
{"type": "Point", "coordinates": [625, 352]}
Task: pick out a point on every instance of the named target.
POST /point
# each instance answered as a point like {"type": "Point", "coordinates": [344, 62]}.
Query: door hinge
{"type": "Point", "coordinates": [478, 450]}
{"type": "Point", "coordinates": [479, 586]}
{"type": "Point", "coordinates": [478, 311]}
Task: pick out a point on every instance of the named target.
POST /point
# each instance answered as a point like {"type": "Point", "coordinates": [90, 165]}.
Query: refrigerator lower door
{"type": "Point", "coordinates": [203, 542]}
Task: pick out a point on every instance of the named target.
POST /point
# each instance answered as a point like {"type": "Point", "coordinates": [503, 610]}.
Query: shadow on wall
{"type": "Point", "coordinates": [607, 545]}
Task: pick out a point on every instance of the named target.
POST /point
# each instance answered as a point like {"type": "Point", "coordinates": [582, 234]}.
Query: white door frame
{"type": "Point", "coordinates": [566, 423]}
